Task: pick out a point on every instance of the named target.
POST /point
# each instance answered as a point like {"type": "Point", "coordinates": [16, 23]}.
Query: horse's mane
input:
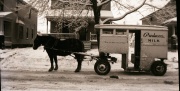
{"type": "Point", "coordinates": [50, 36]}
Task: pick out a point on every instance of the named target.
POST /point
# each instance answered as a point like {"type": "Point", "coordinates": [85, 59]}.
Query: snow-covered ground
{"type": "Point", "coordinates": [27, 69]}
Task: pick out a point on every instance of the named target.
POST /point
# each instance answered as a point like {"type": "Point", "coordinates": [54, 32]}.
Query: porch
{"type": "Point", "coordinates": [63, 36]}
{"type": "Point", "coordinates": [172, 33]}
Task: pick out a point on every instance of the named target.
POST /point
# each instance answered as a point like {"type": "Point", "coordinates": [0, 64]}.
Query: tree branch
{"type": "Point", "coordinates": [121, 17]}
{"type": "Point", "coordinates": [102, 3]}
{"type": "Point", "coordinates": [152, 5]}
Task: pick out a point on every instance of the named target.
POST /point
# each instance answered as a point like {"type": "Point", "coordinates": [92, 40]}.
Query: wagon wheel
{"type": "Point", "coordinates": [158, 68]}
{"type": "Point", "coordinates": [102, 67]}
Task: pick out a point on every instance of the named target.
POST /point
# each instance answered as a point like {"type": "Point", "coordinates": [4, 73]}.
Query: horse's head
{"type": "Point", "coordinates": [37, 42]}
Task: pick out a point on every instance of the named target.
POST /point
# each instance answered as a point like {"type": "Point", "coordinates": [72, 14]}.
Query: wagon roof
{"type": "Point", "coordinates": [131, 27]}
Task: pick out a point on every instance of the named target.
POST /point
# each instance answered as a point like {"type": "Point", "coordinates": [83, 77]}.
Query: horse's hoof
{"type": "Point", "coordinates": [50, 70]}
{"type": "Point", "coordinates": [56, 68]}
{"type": "Point", "coordinates": [77, 71]}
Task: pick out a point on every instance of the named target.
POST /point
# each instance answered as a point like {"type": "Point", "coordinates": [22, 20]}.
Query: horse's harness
{"type": "Point", "coordinates": [52, 48]}
{"type": "Point", "coordinates": [55, 43]}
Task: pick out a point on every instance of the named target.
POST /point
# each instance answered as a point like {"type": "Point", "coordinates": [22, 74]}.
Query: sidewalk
{"type": "Point", "coordinates": [172, 56]}
{"type": "Point", "coordinates": [6, 53]}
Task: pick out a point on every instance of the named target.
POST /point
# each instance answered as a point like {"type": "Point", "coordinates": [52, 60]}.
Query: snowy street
{"type": "Point", "coordinates": [27, 69]}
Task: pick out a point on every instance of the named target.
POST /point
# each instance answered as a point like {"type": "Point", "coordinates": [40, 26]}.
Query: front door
{"type": "Point", "coordinates": [7, 30]}
{"type": "Point", "coordinates": [82, 34]}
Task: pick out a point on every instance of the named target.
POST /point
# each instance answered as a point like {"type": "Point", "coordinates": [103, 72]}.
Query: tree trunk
{"type": "Point", "coordinates": [97, 16]}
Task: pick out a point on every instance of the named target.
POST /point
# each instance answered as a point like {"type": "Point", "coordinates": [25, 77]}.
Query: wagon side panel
{"type": "Point", "coordinates": [114, 44]}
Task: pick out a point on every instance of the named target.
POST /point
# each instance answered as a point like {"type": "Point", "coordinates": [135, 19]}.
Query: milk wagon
{"type": "Point", "coordinates": [149, 43]}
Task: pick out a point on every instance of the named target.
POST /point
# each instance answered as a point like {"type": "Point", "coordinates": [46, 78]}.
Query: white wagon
{"type": "Point", "coordinates": [150, 47]}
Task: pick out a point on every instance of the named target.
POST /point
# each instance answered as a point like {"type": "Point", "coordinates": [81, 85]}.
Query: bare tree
{"type": "Point", "coordinates": [73, 9]}
{"type": "Point", "coordinates": [97, 5]}
{"type": "Point", "coordinates": [77, 7]}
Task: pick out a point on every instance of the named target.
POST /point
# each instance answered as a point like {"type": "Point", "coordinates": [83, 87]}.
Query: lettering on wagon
{"type": "Point", "coordinates": [154, 35]}
{"type": "Point", "coordinates": [111, 42]}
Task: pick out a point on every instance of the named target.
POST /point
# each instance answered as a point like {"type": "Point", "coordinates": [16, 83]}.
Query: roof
{"type": "Point", "coordinates": [84, 13]}
{"type": "Point", "coordinates": [25, 3]}
{"type": "Point", "coordinates": [133, 27]}
{"type": "Point", "coordinates": [171, 4]}
{"type": "Point", "coordinates": [3, 14]}
{"type": "Point", "coordinates": [161, 15]}
{"type": "Point", "coordinates": [172, 20]}
{"type": "Point", "coordinates": [20, 21]}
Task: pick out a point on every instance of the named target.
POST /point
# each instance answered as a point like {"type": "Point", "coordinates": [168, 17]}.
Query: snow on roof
{"type": "Point", "coordinates": [3, 14]}
{"type": "Point", "coordinates": [170, 20]}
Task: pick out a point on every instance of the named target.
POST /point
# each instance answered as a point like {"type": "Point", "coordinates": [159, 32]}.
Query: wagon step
{"type": "Point", "coordinates": [113, 60]}
{"type": "Point", "coordinates": [132, 69]}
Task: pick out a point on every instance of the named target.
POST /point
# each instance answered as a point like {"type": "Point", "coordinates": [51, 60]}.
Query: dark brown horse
{"type": "Point", "coordinates": [55, 47]}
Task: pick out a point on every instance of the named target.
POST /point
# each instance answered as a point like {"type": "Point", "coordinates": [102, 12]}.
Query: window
{"type": "Point", "coordinates": [120, 32]}
{"type": "Point", "coordinates": [32, 33]}
{"type": "Point", "coordinates": [65, 28]}
{"type": "Point", "coordinates": [16, 10]}
{"type": "Point", "coordinates": [93, 36]}
{"type": "Point", "coordinates": [107, 31]}
{"type": "Point", "coordinates": [30, 11]}
{"type": "Point", "coordinates": [27, 33]}
{"type": "Point", "coordinates": [82, 34]}
{"type": "Point", "coordinates": [151, 19]}
{"type": "Point", "coordinates": [21, 32]}
{"type": "Point", "coordinates": [1, 5]}
{"type": "Point", "coordinates": [176, 30]}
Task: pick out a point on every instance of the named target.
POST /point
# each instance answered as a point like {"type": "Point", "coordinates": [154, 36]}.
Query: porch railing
{"type": "Point", "coordinates": [7, 38]}
{"type": "Point", "coordinates": [64, 35]}
{"type": "Point", "coordinates": [93, 37]}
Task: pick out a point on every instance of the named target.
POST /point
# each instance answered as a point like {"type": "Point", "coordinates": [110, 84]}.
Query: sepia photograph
{"type": "Point", "coordinates": [89, 45]}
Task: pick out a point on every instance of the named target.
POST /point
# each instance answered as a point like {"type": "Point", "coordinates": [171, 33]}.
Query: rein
{"type": "Point", "coordinates": [52, 48]}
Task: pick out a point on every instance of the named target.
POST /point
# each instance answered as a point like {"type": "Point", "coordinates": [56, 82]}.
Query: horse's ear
{"type": "Point", "coordinates": [39, 34]}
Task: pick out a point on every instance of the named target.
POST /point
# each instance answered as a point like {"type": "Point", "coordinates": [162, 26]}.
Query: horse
{"type": "Point", "coordinates": [56, 47]}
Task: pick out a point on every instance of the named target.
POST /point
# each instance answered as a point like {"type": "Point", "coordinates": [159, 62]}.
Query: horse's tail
{"type": "Point", "coordinates": [83, 50]}
{"type": "Point", "coordinates": [80, 48]}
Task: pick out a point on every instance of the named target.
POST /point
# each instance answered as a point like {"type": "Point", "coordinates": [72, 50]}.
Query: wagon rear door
{"type": "Point", "coordinates": [154, 45]}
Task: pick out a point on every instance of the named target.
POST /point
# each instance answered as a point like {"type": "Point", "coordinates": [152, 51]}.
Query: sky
{"type": "Point", "coordinates": [133, 18]}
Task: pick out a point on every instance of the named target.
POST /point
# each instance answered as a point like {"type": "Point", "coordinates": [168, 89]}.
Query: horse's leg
{"type": "Point", "coordinates": [51, 61]}
{"type": "Point", "coordinates": [79, 60]}
{"type": "Point", "coordinates": [50, 54]}
{"type": "Point", "coordinates": [56, 62]}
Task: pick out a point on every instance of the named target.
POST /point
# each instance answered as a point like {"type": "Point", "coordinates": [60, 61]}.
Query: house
{"type": "Point", "coordinates": [167, 17]}
{"type": "Point", "coordinates": [18, 23]}
{"type": "Point", "coordinates": [58, 12]}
